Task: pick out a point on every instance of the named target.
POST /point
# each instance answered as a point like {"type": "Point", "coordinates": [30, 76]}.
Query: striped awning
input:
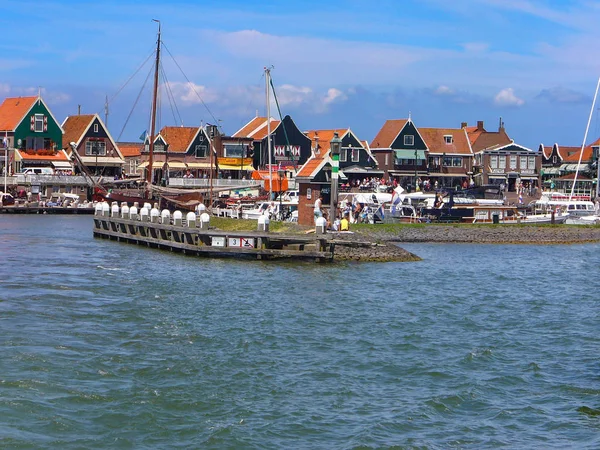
{"type": "Point", "coordinates": [176, 165]}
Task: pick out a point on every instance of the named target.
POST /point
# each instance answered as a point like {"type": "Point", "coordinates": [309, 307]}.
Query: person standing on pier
{"type": "Point", "coordinates": [318, 207]}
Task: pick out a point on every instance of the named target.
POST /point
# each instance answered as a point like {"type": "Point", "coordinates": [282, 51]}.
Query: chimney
{"type": "Point", "coordinates": [480, 125]}
{"type": "Point", "coordinates": [501, 125]}
{"type": "Point", "coordinates": [78, 110]}
{"type": "Point", "coordinates": [463, 124]}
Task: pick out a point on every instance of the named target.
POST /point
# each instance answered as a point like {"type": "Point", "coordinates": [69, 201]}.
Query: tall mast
{"type": "Point", "coordinates": [153, 117]}
{"type": "Point", "coordinates": [267, 82]}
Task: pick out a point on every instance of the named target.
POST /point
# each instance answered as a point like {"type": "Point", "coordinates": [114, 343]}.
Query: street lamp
{"type": "Point", "coordinates": [335, 145]}
{"type": "Point", "coordinates": [281, 174]}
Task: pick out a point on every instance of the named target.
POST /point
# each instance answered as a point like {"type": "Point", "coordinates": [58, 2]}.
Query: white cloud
{"type": "Point", "coordinates": [444, 90]}
{"type": "Point", "coordinates": [334, 95]}
{"type": "Point", "coordinates": [288, 94]}
{"type": "Point", "coordinates": [507, 97]}
{"type": "Point", "coordinates": [191, 93]}
{"type": "Point", "coordinates": [561, 94]}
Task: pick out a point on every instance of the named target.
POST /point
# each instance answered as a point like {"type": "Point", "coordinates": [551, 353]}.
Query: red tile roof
{"type": "Point", "coordinates": [388, 133]}
{"type": "Point", "coordinates": [436, 142]}
{"type": "Point", "coordinates": [178, 138]}
{"type": "Point", "coordinates": [130, 149]}
{"type": "Point", "coordinates": [13, 110]}
{"type": "Point", "coordinates": [42, 155]}
{"type": "Point", "coordinates": [74, 127]}
{"type": "Point", "coordinates": [571, 154]}
{"type": "Point", "coordinates": [325, 137]}
{"type": "Point", "coordinates": [311, 165]}
{"type": "Point", "coordinates": [547, 151]}
{"type": "Point", "coordinates": [480, 140]}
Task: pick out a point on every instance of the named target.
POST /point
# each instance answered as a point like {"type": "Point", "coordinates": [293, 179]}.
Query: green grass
{"type": "Point", "coordinates": [227, 224]}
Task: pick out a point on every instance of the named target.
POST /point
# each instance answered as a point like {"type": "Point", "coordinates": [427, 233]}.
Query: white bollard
{"type": "Point", "coordinates": [147, 205]}
{"type": "Point", "coordinates": [191, 220]}
{"type": "Point", "coordinates": [154, 215]}
{"type": "Point", "coordinates": [200, 208]}
{"type": "Point", "coordinates": [125, 211]}
{"type": "Point", "coordinates": [177, 218]}
{"type": "Point", "coordinates": [321, 225]}
{"type": "Point", "coordinates": [165, 217]}
{"type": "Point", "coordinates": [133, 212]}
{"type": "Point", "coordinates": [114, 210]}
{"type": "Point", "coordinates": [144, 214]}
{"type": "Point", "coordinates": [98, 209]}
{"type": "Point", "coordinates": [263, 223]}
{"type": "Point", "coordinates": [204, 221]}
{"type": "Point", "coordinates": [105, 209]}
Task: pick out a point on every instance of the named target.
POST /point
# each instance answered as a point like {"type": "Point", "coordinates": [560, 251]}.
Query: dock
{"type": "Point", "coordinates": [44, 210]}
{"type": "Point", "coordinates": [196, 238]}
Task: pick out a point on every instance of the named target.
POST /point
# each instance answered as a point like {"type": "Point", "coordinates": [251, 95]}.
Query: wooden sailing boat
{"type": "Point", "coordinates": [148, 193]}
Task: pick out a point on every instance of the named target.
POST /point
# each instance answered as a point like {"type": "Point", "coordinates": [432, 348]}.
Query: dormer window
{"type": "Point", "coordinates": [409, 139]}
{"type": "Point", "coordinates": [448, 139]}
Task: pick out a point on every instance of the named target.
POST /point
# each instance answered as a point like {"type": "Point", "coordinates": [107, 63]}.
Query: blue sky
{"type": "Point", "coordinates": [350, 63]}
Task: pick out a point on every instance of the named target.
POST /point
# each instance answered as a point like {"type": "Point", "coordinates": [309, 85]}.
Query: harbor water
{"type": "Point", "coordinates": [109, 345]}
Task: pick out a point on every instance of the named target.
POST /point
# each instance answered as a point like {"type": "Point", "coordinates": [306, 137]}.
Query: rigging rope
{"type": "Point", "coordinates": [134, 105]}
{"type": "Point", "coordinates": [171, 98]}
{"type": "Point", "coordinates": [129, 79]}
{"type": "Point", "coordinates": [191, 85]}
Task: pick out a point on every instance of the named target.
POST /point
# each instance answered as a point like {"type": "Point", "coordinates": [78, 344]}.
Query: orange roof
{"type": "Point", "coordinates": [486, 139]}
{"type": "Point", "coordinates": [325, 137]}
{"type": "Point", "coordinates": [388, 133]}
{"type": "Point", "coordinates": [178, 138]}
{"type": "Point", "coordinates": [311, 165]}
{"type": "Point", "coordinates": [571, 154]}
{"type": "Point", "coordinates": [257, 128]}
{"type": "Point", "coordinates": [13, 110]}
{"type": "Point", "coordinates": [547, 151]}
{"type": "Point", "coordinates": [130, 149]}
{"type": "Point", "coordinates": [436, 142]}
{"type": "Point", "coordinates": [42, 155]}
{"type": "Point", "coordinates": [74, 127]}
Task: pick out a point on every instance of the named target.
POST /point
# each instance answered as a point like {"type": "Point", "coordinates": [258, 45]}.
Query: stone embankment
{"type": "Point", "coordinates": [384, 240]}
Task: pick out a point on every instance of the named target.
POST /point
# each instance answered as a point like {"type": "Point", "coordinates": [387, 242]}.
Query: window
{"type": "Point", "coordinates": [447, 161]}
{"type": "Point", "coordinates": [554, 159]}
{"type": "Point", "coordinates": [159, 148]}
{"type": "Point", "coordinates": [457, 161]}
{"type": "Point", "coordinates": [95, 148]}
{"type": "Point", "coordinates": [200, 151]}
{"type": "Point", "coordinates": [513, 162]}
{"type": "Point", "coordinates": [494, 161]}
{"type": "Point", "coordinates": [344, 154]}
{"type": "Point", "coordinates": [448, 139]}
{"type": "Point", "coordinates": [234, 150]}
{"type": "Point", "coordinates": [355, 155]}
{"type": "Point", "coordinates": [502, 162]}
{"type": "Point", "coordinates": [39, 123]}
{"type": "Point", "coordinates": [95, 128]}
{"type": "Point", "coordinates": [532, 162]}
{"type": "Point", "coordinates": [409, 139]}
{"type": "Point", "coordinates": [523, 162]}
{"type": "Point", "coordinates": [387, 159]}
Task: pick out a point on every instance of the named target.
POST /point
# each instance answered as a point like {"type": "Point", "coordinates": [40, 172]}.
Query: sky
{"type": "Point", "coordinates": [335, 64]}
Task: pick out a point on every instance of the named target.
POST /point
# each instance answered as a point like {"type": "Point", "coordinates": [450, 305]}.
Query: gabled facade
{"type": "Point", "coordinates": [290, 148]}
{"type": "Point", "coordinates": [29, 127]}
{"type": "Point", "coordinates": [481, 139]}
{"type": "Point", "coordinates": [132, 155]}
{"type": "Point", "coordinates": [509, 165]}
{"type": "Point", "coordinates": [94, 145]}
{"type": "Point", "coordinates": [356, 160]}
{"type": "Point", "coordinates": [400, 150]}
{"type": "Point", "coordinates": [558, 162]}
{"type": "Point", "coordinates": [449, 157]}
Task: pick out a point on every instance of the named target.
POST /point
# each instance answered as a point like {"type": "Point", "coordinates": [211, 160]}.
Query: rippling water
{"type": "Point", "coordinates": [108, 345]}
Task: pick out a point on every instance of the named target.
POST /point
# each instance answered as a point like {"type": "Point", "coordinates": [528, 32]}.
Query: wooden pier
{"type": "Point", "coordinates": [193, 240]}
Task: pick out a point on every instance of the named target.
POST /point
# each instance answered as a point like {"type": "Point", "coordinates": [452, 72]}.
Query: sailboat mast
{"type": "Point", "coordinates": [587, 128]}
{"type": "Point", "coordinates": [267, 82]}
{"type": "Point", "coordinates": [153, 116]}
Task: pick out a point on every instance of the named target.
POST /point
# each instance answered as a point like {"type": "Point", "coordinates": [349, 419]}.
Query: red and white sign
{"type": "Point", "coordinates": [240, 242]}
